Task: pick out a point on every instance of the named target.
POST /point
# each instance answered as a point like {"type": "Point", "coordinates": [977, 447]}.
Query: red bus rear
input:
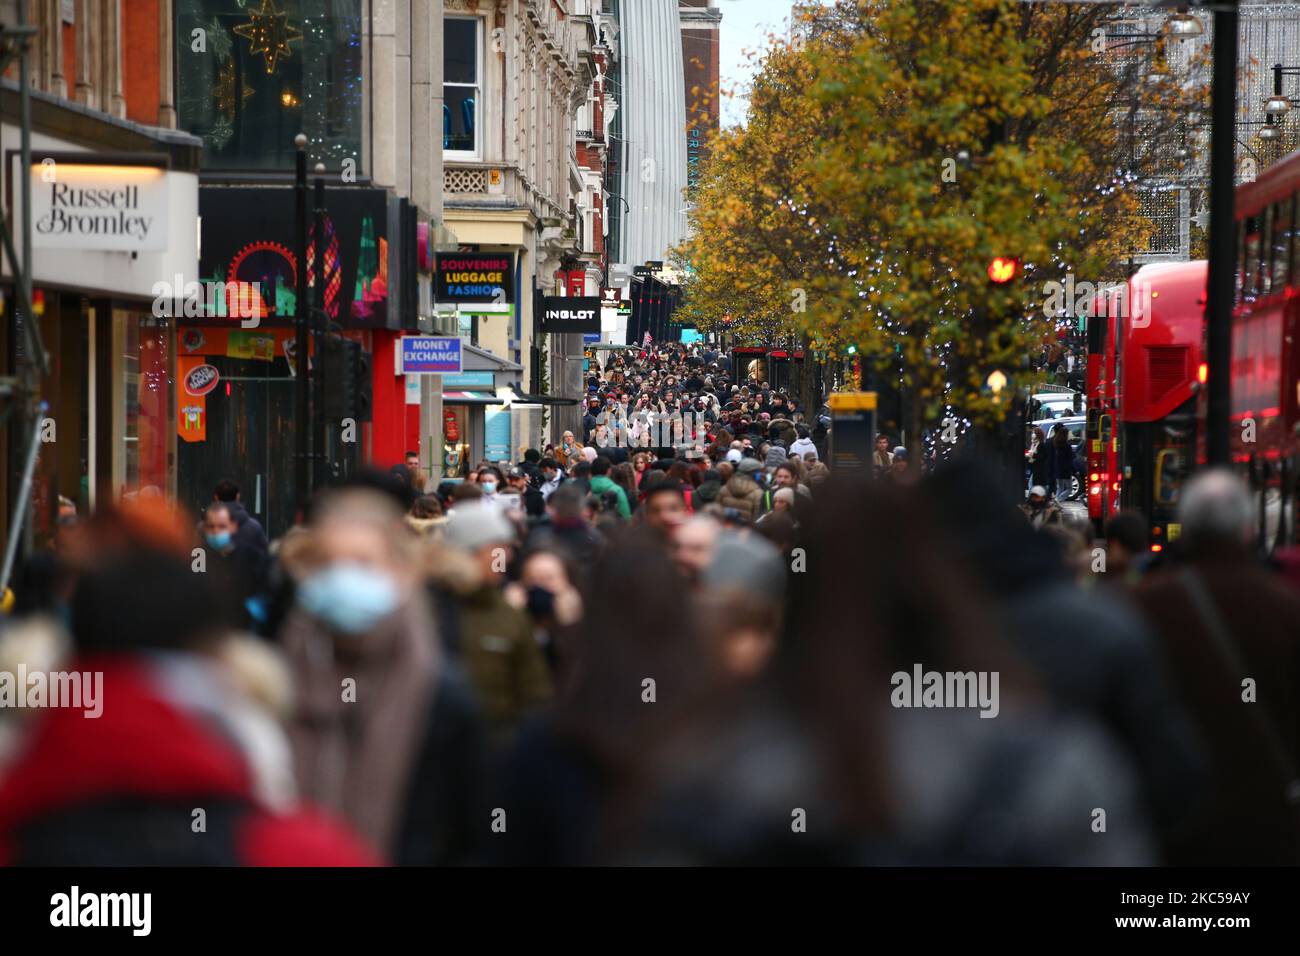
{"type": "Point", "coordinates": [1160, 357]}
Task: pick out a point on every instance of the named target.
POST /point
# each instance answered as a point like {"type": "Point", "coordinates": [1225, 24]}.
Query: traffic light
{"type": "Point", "coordinates": [346, 367]}
{"type": "Point", "coordinates": [1003, 269]}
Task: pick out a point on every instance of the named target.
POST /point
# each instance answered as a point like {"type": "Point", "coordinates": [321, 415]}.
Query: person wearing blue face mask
{"type": "Point", "coordinates": [490, 480]}
{"type": "Point", "coordinates": [242, 566]}
{"type": "Point", "coordinates": [381, 712]}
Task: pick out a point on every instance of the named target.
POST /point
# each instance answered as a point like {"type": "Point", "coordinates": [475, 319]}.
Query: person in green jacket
{"type": "Point", "coordinates": [601, 483]}
{"type": "Point", "coordinates": [497, 646]}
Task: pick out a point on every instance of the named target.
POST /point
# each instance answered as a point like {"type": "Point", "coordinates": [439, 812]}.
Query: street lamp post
{"type": "Point", "coordinates": [1218, 312]}
{"type": "Point", "coordinates": [302, 435]}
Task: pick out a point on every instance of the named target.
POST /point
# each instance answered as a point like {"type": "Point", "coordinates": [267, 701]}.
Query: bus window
{"type": "Point", "coordinates": [1295, 237]}
{"type": "Point", "coordinates": [1241, 262]}
{"type": "Point", "coordinates": [1170, 471]}
{"type": "Point", "coordinates": [1281, 243]}
{"type": "Point", "coordinates": [1251, 280]}
{"type": "Point", "coordinates": [1265, 280]}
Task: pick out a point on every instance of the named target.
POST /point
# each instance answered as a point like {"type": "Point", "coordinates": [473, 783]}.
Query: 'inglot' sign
{"type": "Point", "coordinates": [564, 316]}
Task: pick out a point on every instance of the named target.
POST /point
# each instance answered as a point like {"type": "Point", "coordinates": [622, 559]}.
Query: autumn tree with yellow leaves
{"type": "Point", "coordinates": [891, 152]}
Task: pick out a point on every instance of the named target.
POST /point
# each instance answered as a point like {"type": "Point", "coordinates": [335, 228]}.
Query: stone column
{"type": "Point", "coordinates": [86, 31]}
{"type": "Point", "coordinates": [166, 65]}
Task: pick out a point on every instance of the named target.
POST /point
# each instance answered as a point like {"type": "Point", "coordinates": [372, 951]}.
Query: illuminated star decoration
{"type": "Point", "coordinates": [268, 32]}
{"type": "Point", "coordinates": [1202, 219]}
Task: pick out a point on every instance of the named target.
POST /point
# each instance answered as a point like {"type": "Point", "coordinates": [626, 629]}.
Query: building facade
{"type": "Point", "coordinates": [102, 95]}
{"type": "Point", "coordinates": [701, 68]}
{"type": "Point", "coordinates": [518, 76]}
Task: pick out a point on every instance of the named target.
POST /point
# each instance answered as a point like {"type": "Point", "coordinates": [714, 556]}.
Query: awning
{"type": "Point", "coordinates": [521, 398]}
{"type": "Point", "coordinates": [471, 398]}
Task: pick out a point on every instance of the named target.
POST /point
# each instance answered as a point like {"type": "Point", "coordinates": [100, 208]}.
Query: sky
{"type": "Point", "coordinates": [745, 25]}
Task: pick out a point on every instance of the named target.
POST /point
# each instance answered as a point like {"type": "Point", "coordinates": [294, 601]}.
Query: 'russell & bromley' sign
{"type": "Point", "coordinates": [98, 207]}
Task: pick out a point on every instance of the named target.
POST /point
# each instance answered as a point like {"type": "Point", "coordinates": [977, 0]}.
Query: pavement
{"type": "Point", "coordinates": [1075, 510]}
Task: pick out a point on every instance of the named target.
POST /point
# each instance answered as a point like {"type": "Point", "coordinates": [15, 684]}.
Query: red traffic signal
{"type": "Point", "coordinates": [1003, 269]}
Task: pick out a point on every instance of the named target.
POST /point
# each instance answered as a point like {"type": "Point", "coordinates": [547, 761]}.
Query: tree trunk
{"type": "Point", "coordinates": [915, 425]}
{"type": "Point", "coordinates": [809, 399]}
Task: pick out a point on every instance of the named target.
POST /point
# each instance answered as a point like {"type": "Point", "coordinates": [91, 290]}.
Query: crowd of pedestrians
{"type": "Point", "coordinates": [618, 651]}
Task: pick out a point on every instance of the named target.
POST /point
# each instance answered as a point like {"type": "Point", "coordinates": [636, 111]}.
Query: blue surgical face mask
{"type": "Point", "coordinates": [489, 487]}
{"type": "Point", "coordinates": [350, 598]}
{"type": "Point", "coordinates": [219, 541]}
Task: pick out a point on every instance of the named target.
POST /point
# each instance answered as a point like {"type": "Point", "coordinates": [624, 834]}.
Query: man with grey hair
{"type": "Point", "coordinates": [1229, 630]}
{"type": "Point", "coordinates": [1216, 511]}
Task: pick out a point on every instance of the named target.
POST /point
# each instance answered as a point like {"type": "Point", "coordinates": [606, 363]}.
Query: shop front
{"type": "Point", "coordinates": [238, 419]}
{"type": "Point", "coordinates": [477, 421]}
{"type": "Point", "coordinates": [114, 214]}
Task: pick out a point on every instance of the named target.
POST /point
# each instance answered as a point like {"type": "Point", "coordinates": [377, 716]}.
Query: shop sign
{"type": "Point", "coordinates": [475, 277]}
{"type": "Point", "coordinates": [191, 409]}
{"type": "Point", "coordinates": [201, 379]}
{"type": "Point", "coordinates": [568, 315]}
{"type": "Point", "coordinates": [81, 204]}
{"type": "Point", "coordinates": [430, 355]}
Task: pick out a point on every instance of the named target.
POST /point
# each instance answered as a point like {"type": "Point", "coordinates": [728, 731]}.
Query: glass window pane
{"type": "Point", "coordinates": [458, 117]}
{"type": "Point", "coordinates": [1252, 259]}
{"type": "Point", "coordinates": [1295, 237]}
{"type": "Point", "coordinates": [1281, 245]}
{"type": "Point", "coordinates": [1265, 281]}
{"type": "Point", "coordinates": [460, 51]}
{"type": "Point", "coordinates": [248, 100]}
{"type": "Point", "coordinates": [1241, 261]}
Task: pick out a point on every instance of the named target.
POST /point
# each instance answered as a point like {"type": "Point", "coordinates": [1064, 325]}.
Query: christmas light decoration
{"type": "Point", "coordinates": [268, 32]}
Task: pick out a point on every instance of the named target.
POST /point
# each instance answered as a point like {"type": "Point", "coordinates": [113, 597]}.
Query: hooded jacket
{"type": "Point", "coordinates": [802, 446]}
{"type": "Point", "coordinates": [603, 483]}
{"type": "Point", "coordinates": [494, 642]}
{"type": "Point", "coordinates": [742, 493]}
{"type": "Point", "coordinates": [120, 789]}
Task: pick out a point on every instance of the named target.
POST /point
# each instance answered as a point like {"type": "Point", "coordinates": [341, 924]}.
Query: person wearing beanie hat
{"type": "Point", "coordinates": [898, 472]}
{"type": "Point", "coordinates": [734, 455]}
{"type": "Point", "coordinates": [742, 594]}
{"type": "Point", "coordinates": [474, 526]}
{"type": "Point", "coordinates": [503, 660]}
{"type": "Point", "coordinates": [710, 487]}
{"type": "Point", "coordinates": [1039, 509]}
{"type": "Point", "coordinates": [776, 455]}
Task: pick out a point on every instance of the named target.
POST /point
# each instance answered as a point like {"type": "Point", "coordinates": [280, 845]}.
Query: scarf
{"type": "Point", "coordinates": [355, 758]}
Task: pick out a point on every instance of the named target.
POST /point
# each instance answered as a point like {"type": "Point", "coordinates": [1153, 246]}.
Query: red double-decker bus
{"type": "Point", "coordinates": [1101, 438]}
{"type": "Point", "coordinates": [1161, 374]}
{"type": "Point", "coordinates": [1144, 374]}
{"type": "Point", "coordinates": [1146, 409]}
{"type": "Point", "coordinates": [1266, 346]}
